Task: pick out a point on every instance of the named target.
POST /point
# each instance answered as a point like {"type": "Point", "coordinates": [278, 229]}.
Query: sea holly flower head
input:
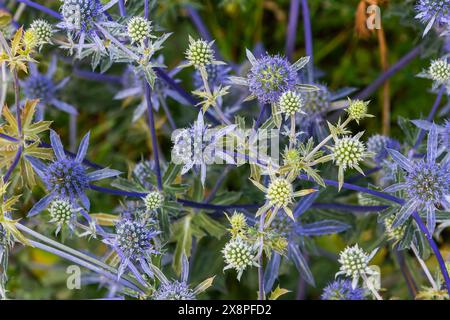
{"type": "Point", "coordinates": [41, 86]}
{"type": "Point", "coordinates": [200, 54]}
{"type": "Point", "coordinates": [138, 29]}
{"type": "Point", "coordinates": [433, 12]}
{"type": "Point", "coordinates": [439, 71]}
{"type": "Point", "coordinates": [153, 200]}
{"type": "Point", "coordinates": [341, 289]}
{"type": "Point", "coordinates": [66, 177]}
{"type": "Point", "coordinates": [174, 290]}
{"type": "Point", "coordinates": [357, 110]}
{"type": "Point", "coordinates": [239, 255]}
{"type": "Point", "coordinates": [43, 31]}
{"type": "Point", "coordinates": [426, 184]}
{"type": "Point", "coordinates": [355, 263]}
{"type": "Point", "coordinates": [198, 146]}
{"type": "Point", "coordinates": [62, 213]}
{"type": "Point", "coordinates": [178, 289]}
{"type": "Point", "coordinates": [290, 103]}
{"type": "Point", "coordinates": [80, 15]}
{"type": "Point", "coordinates": [279, 194]}
{"type": "Point", "coordinates": [238, 223]}
{"type": "Point", "coordinates": [270, 76]}
{"type": "Point", "coordinates": [377, 144]}
{"type": "Point", "coordinates": [348, 152]}
{"type": "Point", "coordinates": [134, 242]}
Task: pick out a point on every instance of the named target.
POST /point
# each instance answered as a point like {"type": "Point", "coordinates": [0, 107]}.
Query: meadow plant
{"type": "Point", "coordinates": [210, 202]}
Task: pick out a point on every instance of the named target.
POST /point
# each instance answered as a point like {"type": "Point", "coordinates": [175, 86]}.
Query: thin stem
{"type": "Point", "coordinates": [17, 100]}
{"type": "Point", "coordinates": [424, 268]}
{"type": "Point", "coordinates": [169, 116]}
{"type": "Point", "coordinates": [261, 294]}
{"type": "Point", "coordinates": [430, 117]}
{"type": "Point", "coordinates": [41, 8]}
{"type": "Point", "coordinates": [122, 9]}
{"type": "Point", "coordinates": [151, 124]}
{"type": "Point", "coordinates": [292, 133]}
{"type": "Point", "coordinates": [324, 141]}
{"type": "Point", "coordinates": [292, 28]}
{"type": "Point", "coordinates": [389, 73]}
{"type": "Point", "coordinates": [85, 264]}
{"type": "Point", "coordinates": [308, 40]}
{"type": "Point", "coordinates": [68, 250]}
{"type": "Point", "coordinates": [412, 287]}
{"type": "Point", "coordinates": [219, 112]}
{"type": "Point", "coordinates": [371, 288]}
{"type": "Point", "coordinates": [146, 9]}
{"type": "Point", "coordinates": [4, 88]}
{"type": "Point", "coordinates": [13, 164]}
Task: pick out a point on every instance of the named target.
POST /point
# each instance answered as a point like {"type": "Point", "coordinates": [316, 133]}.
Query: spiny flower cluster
{"type": "Point", "coordinates": [61, 211]}
{"type": "Point", "coordinates": [357, 110]}
{"type": "Point", "coordinates": [348, 152]}
{"type": "Point", "coordinates": [138, 29]}
{"type": "Point", "coordinates": [239, 255]}
{"type": "Point", "coordinates": [175, 290]}
{"type": "Point", "coordinates": [80, 15]}
{"type": "Point", "coordinates": [238, 224]}
{"type": "Point", "coordinates": [270, 77]}
{"type": "Point", "coordinates": [280, 192]}
{"type": "Point", "coordinates": [355, 263]}
{"type": "Point", "coordinates": [439, 71]}
{"type": "Point", "coordinates": [199, 53]}
{"type": "Point", "coordinates": [42, 30]}
{"type": "Point", "coordinates": [133, 238]}
{"type": "Point", "coordinates": [154, 200]}
{"type": "Point", "coordinates": [290, 103]}
{"type": "Point", "coordinates": [433, 11]}
{"type": "Point", "coordinates": [342, 289]}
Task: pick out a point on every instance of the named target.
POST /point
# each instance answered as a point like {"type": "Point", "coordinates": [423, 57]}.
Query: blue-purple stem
{"type": "Point", "coordinates": [89, 75]}
{"type": "Point", "coordinates": [189, 98]}
{"type": "Point", "coordinates": [389, 73]}
{"type": "Point", "coordinates": [292, 28]}
{"type": "Point", "coordinates": [146, 9]}
{"type": "Point", "coordinates": [308, 40]}
{"type": "Point", "coordinates": [415, 215]}
{"type": "Point", "coordinates": [122, 9]}
{"type": "Point", "coordinates": [41, 8]}
{"type": "Point", "coordinates": [430, 117]}
{"type": "Point", "coordinates": [151, 124]}
{"type": "Point", "coordinates": [358, 176]}
{"type": "Point", "coordinates": [13, 164]}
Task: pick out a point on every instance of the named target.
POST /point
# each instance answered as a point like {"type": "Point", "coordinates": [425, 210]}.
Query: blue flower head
{"type": "Point", "coordinates": [176, 289]}
{"type": "Point", "coordinates": [41, 86]}
{"type": "Point", "coordinates": [431, 12]}
{"type": "Point", "coordinates": [427, 182]}
{"type": "Point", "coordinates": [79, 18]}
{"type": "Point", "coordinates": [133, 242]}
{"type": "Point", "coordinates": [342, 290]}
{"type": "Point", "coordinates": [80, 15]}
{"type": "Point", "coordinates": [270, 76]}
{"type": "Point", "coordinates": [66, 177]}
